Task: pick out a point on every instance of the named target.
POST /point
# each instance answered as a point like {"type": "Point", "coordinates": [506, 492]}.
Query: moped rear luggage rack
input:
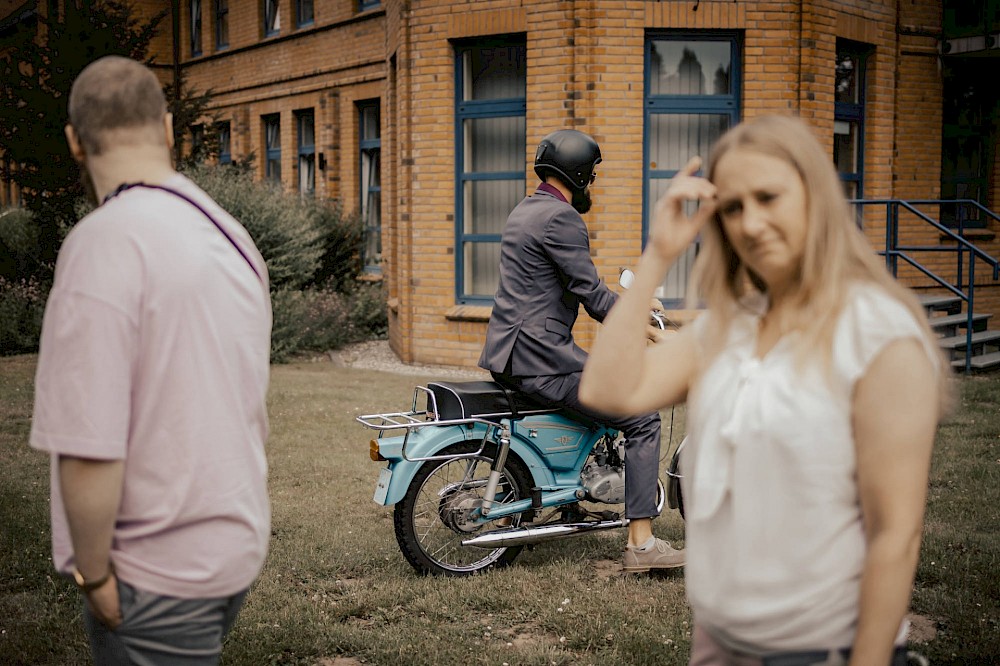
{"type": "Point", "coordinates": [416, 418]}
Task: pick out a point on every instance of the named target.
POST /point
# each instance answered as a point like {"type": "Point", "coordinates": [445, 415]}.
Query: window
{"type": "Point", "coordinates": [967, 138]}
{"type": "Point", "coordinates": [849, 116]}
{"type": "Point", "coordinates": [364, 5]}
{"type": "Point", "coordinates": [225, 143]}
{"type": "Point", "coordinates": [197, 142]}
{"type": "Point", "coordinates": [304, 13]}
{"type": "Point", "coordinates": [490, 137]}
{"type": "Point", "coordinates": [272, 146]}
{"type": "Point", "coordinates": [692, 97]}
{"type": "Point", "coordinates": [370, 144]}
{"type": "Point", "coordinates": [221, 24]}
{"type": "Point", "coordinates": [195, 7]}
{"type": "Point", "coordinates": [306, 122]}
{"type": "Point", "coordinates": [272, 17]}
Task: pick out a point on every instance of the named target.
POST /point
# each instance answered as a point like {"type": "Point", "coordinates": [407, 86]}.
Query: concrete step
{"type": "Point", "coordinates": [948, 325]}
{"type": "Point", "coordinates": [958, 342]}
{"type": "Point", "coordinates": [949, 304]}
{"type": "Point", "coordinates": [980, 362]}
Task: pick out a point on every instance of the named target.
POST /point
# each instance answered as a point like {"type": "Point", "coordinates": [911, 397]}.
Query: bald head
{"type": "Point", "coordinates": [116, 100]}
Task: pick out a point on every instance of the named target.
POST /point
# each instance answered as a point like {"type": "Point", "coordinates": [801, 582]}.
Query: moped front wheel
{"type": "Point", "coordinates": [675, 496]}
{"type": "Point", "coordinates": [437, 512]}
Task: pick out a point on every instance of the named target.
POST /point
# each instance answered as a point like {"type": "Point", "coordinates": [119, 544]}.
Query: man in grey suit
{"type": "Point", "coordinates": [546, 273]}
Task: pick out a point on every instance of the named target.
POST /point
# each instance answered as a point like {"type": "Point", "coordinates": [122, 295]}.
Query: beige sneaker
{"type": "Point", "coordinates": [660, 556]}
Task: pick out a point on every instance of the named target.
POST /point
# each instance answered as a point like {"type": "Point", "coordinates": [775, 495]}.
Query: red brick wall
{"type": "Point", "coordinates": [585, 70]}
{"type": "Point", "coordinates": [324, 66]}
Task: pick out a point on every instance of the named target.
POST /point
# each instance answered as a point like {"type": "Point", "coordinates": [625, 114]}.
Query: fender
{"type": "Point", "coordinates": [425, 442]}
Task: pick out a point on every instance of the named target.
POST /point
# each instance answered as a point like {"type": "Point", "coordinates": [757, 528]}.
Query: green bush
{"type": "Point", "coordinates": [311, 249]}
{"type": "Point", "coordinates": [284, 227]}
{"type": "Point", "coordinates": [320, 319]}
{"type": "Point", "coordinates": [340, 262]}
{"type": "Point", "coordinates": [22, 304]}
{"type": "Point", "coordinates": [312, 254]}
{"type": "Point", "coordinates": [368, 310]}
{"type": "Point", "coordinates": [20, 249]}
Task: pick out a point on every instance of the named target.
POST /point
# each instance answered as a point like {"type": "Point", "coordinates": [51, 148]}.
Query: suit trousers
{"type": "Point", "coordinates": [642, 435]}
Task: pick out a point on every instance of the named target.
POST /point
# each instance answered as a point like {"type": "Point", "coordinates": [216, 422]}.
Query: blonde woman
{"type": "Point", "coordinates": [814, 388]}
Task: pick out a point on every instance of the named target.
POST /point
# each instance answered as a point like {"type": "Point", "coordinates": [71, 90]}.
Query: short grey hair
{"type": "Point", "coordinates": [115, 93]}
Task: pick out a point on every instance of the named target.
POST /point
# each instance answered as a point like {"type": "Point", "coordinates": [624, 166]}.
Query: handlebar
{"type": "Point", "coordinates": [659, 319]}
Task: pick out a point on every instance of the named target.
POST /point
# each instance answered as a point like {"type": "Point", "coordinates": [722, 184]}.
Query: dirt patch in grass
{"type": "Point", "coordinates": [338, 661]}
{"type": "Point", "coordinates": [528, 635]}
{"type": "Point", "coordinates": [605, 569]}
{"type": "Point", "coordinates": [922, 629]}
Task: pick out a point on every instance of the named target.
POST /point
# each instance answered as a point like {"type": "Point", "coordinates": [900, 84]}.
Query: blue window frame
{"type": "Point", "coordinates": [195, 24]}
{"type": "Point", "coordinates": [225, 142]}
{"type": "Point", "coordinates": [849, 116]}
{"type": "Point", "coordinates": [968, 138]}
{"type": "Point", "coordinates": [692, 92]}
{"type": "Point", "coordinates": [221, 24]}
{"type": "Point", "coordinates": [304, 13]}
{"type": "Point", "coordinates": [490, 139]}
{"type": "Point", "coordinates": [272, 147]}
{"type": "Point", "coordinates": [305, 122]}
{"type": "Point", "coordinates": [370, 148]}
{"type": "Point", "coordinates": [272, 17]}
{"type": "Point", "coordinates": [198, 141]}
{"type": "Point", "coordinates": [364, 5]}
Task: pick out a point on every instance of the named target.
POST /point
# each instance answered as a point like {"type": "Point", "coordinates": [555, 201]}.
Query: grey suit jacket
{"type": "Point", "coordinates": [545, 274]}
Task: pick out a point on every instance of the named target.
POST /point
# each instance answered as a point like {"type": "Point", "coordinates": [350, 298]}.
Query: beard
{"type": "Point", "coordinates": [581, 200]}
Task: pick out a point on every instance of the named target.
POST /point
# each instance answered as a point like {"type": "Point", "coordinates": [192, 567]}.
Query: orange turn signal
{"type": "Point", "coordinates": [373, 451]}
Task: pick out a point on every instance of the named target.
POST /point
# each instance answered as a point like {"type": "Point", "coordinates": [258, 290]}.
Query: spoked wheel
{"type": "Point", "coordinates": [675, 498]}
{"type": "Point", "coordinates": [436, 513]}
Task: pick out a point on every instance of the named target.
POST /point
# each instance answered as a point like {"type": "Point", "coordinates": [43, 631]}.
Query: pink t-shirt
{"type": "Point", "coordinates": [155, 350]}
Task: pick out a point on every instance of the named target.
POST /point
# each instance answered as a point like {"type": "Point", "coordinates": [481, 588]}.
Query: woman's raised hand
{"type": "Point", "coordinates": [672, 230]}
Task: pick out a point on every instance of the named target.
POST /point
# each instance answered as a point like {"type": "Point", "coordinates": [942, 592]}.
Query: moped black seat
{"type": "Point", "coordinates": [485, 400]}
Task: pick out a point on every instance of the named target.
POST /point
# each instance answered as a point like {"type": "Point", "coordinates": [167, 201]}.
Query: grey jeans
{"type": "Point", "coordinates": [162, 631]}
{"type": "Point", "coordinates": [642, 435]}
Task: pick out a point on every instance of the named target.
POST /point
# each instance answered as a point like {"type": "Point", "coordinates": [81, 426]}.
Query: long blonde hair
{"type": "Point", "coordinates": [836, 255]}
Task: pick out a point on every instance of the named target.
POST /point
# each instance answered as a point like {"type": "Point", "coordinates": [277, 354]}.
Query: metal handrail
{"type": "Point", "coordinates": [894, 251]}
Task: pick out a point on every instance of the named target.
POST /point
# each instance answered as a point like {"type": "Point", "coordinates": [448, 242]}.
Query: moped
{"type": "Point", "coordinates": [480, 471]}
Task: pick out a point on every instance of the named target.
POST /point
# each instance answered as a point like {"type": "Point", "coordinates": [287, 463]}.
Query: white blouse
{"type": "Point", "coordinates": [775, 541]}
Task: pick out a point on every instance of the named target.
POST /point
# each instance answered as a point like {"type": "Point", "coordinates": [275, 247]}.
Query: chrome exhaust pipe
{"type": "Point", "coordinates": [520, 536]}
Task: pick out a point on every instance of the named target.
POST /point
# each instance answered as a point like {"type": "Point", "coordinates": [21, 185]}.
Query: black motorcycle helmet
{"type": "Point", "coordinates": [570, 154]}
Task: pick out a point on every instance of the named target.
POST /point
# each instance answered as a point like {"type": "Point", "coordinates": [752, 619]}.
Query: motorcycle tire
{"type": "Point", "coordinates": [675, 497]}
{"type": "Point", "coordinates": [430, 521]}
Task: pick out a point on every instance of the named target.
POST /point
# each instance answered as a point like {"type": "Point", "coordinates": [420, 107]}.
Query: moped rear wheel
{"type": "Point", "coordinates": [434, 516]}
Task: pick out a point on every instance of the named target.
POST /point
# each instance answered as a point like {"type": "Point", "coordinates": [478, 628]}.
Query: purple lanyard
{"type": "Point", "coordinates": [129, 186]}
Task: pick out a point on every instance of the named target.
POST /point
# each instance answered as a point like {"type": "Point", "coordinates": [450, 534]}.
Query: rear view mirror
{"type": "Point", "coordinates": [626, 278]}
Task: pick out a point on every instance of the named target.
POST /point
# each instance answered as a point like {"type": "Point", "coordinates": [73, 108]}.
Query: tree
{"type": "Point", "coordinates": [194, 121]}
{"type": "Point", "coordinates": [38, 64]}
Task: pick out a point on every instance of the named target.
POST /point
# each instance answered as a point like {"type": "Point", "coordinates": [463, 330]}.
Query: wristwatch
{"type": "Point", "coordinates": [87, 586]}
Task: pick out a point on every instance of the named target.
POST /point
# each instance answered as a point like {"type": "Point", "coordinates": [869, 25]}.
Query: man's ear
{"type": "Point", "coordinates": [168, 127]}
{"type": "Point", "coordinates": [75, 145]}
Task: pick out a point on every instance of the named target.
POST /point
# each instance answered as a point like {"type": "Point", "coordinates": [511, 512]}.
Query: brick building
{"type": "Point", "coordinates": [424, 115]}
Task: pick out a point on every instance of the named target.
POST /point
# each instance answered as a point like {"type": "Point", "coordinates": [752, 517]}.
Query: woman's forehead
{"type": "Point", "coordinates": [747, 168]}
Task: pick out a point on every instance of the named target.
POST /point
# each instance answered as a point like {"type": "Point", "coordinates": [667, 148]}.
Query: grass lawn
{"type": "Point", "coordinates": [335, 589]}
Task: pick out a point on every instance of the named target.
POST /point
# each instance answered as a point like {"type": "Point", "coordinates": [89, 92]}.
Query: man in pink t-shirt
{"type": "Point", "coordinates": [151, 386]}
